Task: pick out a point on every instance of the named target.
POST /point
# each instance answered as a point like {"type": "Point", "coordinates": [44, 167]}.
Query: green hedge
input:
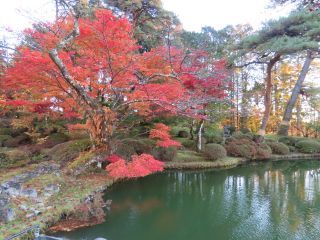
{"type": "Point", "coordinates": [279, 148]}
{"type": "Point", "coordinates": [308, 146]}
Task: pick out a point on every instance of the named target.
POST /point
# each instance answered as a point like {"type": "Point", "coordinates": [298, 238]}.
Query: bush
{"type": "Point", "coordinates": [6, 131]}
{"type": "Point", "coordinates": [240, 135]}
{"type": "Point", "coordinates": [164, 154]}
{"type": "Point", "coordinates": [268, 140]}
{"type": "Point", "coordinates": [12, 132]}
{"type": "Point", "coordinates": [292, 149]}
{"type": "Point", "coordinates": [125, 151]}
{"type": "Point", "coordinates": [279, 148]}
{"type": "Point", "coordinates": [55, 139]}
{"type": "Point", "coordinates": [213, 138]}
{"type": "Point", "coordinates": [12, 158]}
{"type": "Point", "coordinates": [308, 146]}
{"type": "Point", "coordinates": [242, 147]}
{"type": "Point", "coordinates": [183, 134]}
{"type": "Point", "coordinates": [214, 151]}
{"type": "Point", "coordinates": [287, 140]}
{"type": "Point", "coordinates": [263, 151]}
{"type": "Point", "coordinates": [187, 143]}
{"type": "Point", "coordinates": [140, 146]}
{"type": "Point", "coordinates": [67, 151]}
{"type": "Point", "coordinates": [130, 147]}
{"type": "Point", "coordinates": [17, 141]}
{"type": "Point", "coordinates": [4, 138]}
{"type": "Point", "coordinates": [78, 134]}
{"type": "Point", "coordinates": [245, 130]}
{"type": "Point", "coordinates": [176, 129]}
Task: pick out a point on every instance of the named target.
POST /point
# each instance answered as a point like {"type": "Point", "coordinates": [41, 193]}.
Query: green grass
{"type": "Point", "coordinates": [188, 156]}
{"type": "Point", "coordinates": [221, 163]}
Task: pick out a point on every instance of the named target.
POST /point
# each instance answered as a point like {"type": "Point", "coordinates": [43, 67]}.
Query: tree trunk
{"type": "Point", "coordinates": [268, 97]}
{"type": "Point", "coordinates": [199, 139]}
{"type": "Point", "coordinates": [284, 125]}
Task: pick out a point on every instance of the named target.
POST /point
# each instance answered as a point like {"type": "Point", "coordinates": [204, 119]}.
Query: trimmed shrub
{"type": "Point", "coordinates": [268, 140]}
{"type": "Point", "coordinates": [4, 138]}
{"type": "Point", "coordinates": [6, 131]}
{"type": "Point", "coordinates": [308, 146]}
{"type": "Point", "coordinates": [67, 151]}
{"type": "Point", "coordinates": [12, 132]}
{"type": "Point", "coordinates": [240, 135]}
{"type": "Point", "coordinates": [17, 141]}
{"type": "Point", "coordinates": [242, 147]}
{"type": "Point", "coordinates": [13, 157]}
{"type": "Point", "coordinates": [214, 151]}
{"type": "Point", "coordinates": [250, 135]}
{"type": "Point", "coordinates": [263, 151]}
{"type": "Point", "coordinates": [54, 139]}
{"type": "Point", "coordinates": [78, 134]}
{"type": "Point", "coordinates": [245, 130]}
{"type": "Point", "coordinates": [292, 149]}
{"type": "Point", "coordinates": [130, 147]}
{"type": "Point", "coordinates": [213, 138]}
{"type": "Point", "coordinates": [187, 143]}
{"type": "Point", "coordinates": [140, 146]}
{"type": "Point", "coordinates": [183, 134]}
{"type": "Point", "coordinates": [287, 140]}
{"type": "Point", "coordinates": [164, 154]}
{"type": "Point", "coordinates": [176, 129]}
{"type": "Point", "coordinates": [125, 151]}
{"type": "Point", "coordinates": [279, 148]}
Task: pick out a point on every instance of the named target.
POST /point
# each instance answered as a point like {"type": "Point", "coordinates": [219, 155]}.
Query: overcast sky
{"type": "Point", "coordinates": [19, 14]}
{"type": "Point", "coordinates": [195, 14]}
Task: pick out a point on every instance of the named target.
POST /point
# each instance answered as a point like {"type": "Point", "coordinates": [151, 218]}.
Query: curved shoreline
{"type": "Point", "coordinates": [227, 163]}
{"type": "Point", "coordinates": [235, 162]}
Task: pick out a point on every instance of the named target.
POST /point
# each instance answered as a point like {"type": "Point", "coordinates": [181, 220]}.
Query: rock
{"type": "Point", "coordinates": [11, 215]}
{"type": "Point", "coordinates": [11, 187]}
{"type": "Point", "coordinates": [30, 215]}
{"type": "Point", "coordinates": [5, 214]}
{"type": "Point", "coordinates": [4, 200]}
{"type": "Point", "coordinates": [23, 207]}
{"type": "Point", "coordinates": [37, 212]}
{"type": "Point", "coordinates": [51, 189]}
{"type": "Point", "coordinates": [29, 192]}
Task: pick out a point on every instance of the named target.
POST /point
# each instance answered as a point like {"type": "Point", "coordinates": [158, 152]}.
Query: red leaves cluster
{"type": "Point", "coordinates": [161, 134]}
{"type": "Point", "coordinates": [104, 59]}
{"type": "Point", "coordinates": [140, 166]}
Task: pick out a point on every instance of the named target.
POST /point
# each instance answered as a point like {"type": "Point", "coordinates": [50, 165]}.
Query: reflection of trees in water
{"type": "Point", "coordinates": [280, 196]}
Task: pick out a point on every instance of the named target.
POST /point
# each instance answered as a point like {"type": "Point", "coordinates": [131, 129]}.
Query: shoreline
{"type": "Point", "coordinates": [232, 162]}
{"type": "Point", "coordinates": [235, 162]}
{"type": "Point", "coordinates": [105, 182]}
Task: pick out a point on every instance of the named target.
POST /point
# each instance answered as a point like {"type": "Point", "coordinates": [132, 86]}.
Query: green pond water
{"type": "Point", "coordinates": [263, 201]}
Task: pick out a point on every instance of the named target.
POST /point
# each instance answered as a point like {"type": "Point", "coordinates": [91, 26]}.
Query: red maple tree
{"type": "Point", "coordinates": [90, 67]}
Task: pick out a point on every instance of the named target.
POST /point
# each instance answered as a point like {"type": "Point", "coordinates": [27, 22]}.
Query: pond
{"type": "Point", "coordinates": [262, 201]}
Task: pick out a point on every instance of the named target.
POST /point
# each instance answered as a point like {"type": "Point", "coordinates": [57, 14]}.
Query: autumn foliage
{"type": "Point", "coordinates": [99, 76]}
{"type": "Point", "coordinates": [140, 166]}
{"type": "Point", "coordinates": [161, 134]}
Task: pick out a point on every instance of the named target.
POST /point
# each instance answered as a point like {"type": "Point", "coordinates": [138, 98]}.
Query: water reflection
{"type": "Point", "coordinates": [264, 201]}
{"type": "Point", "coordinates": [278, 198]}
